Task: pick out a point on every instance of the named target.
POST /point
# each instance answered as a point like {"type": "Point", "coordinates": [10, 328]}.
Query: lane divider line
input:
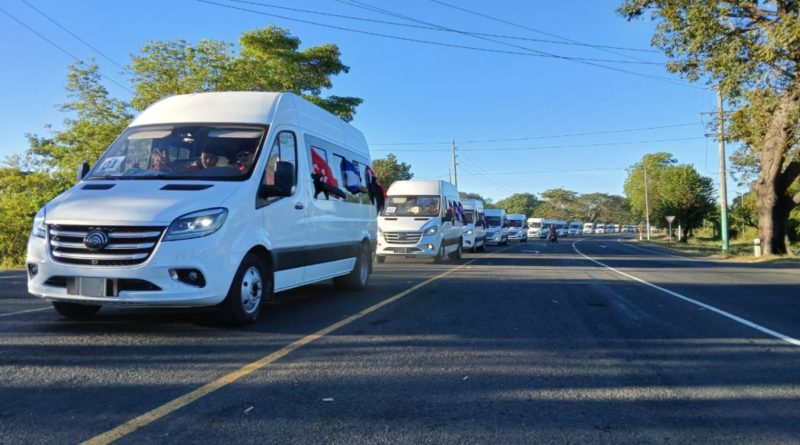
{"type": "Point", "coordinates": [12, 277]}
{"type": "Point", "coordinates": [180, 402]}
{"type": "Point", "coordinates": [654, 251]}
{"type": "Point", "coordinates": [725, 314]}
{"type": "Point", "coordinates": [25, 311]}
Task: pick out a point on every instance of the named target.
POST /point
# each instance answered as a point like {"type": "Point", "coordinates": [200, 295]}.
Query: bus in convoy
{"type": "Point", "coordinates": [474, 225]}
{"type": "Point", "coordinates": [496, 226]}
{"type": "Point", "coordinates": [421, 218]}
{"type": "Point", "coordinates": [575, 228]}
{"type": "Point", "coordinates": [588, 228]}
{"type": "Point", "coordinates": [535, 225]}
{"type": "Point", "coordinates": [517, 227]}
{"type": "Point", "coordinates": [211, 199]}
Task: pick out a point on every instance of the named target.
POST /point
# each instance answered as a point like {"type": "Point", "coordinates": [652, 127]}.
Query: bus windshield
{"type": "Point", "coordinates": [411, 206]}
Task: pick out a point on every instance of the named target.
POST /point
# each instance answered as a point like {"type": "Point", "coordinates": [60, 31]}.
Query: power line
{"type": "Point", "coordinates": [57, 46]}
{"type": "Point", "coordinates": [482, 141]}
{"type": "Point", "coordinates": [545, 172]}
{"type": "Point", "coordinates": [75, 36]}
{"type": "Point", "coordinates": [548, 147]}
{"type": "Point", "coordinates": [432, 28]}
{"type": "Point", "coordinates": [591, 62]}
{"type": "Point", "coordinates": [423, 41]}
{"type": "Point", "coordinates": [469, 11]}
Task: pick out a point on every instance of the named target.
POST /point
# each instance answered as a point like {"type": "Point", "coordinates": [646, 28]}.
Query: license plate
{"type": "Point", "coordinates": [88, 287]}
{"type": "Point", "coordinates": [403, 250]}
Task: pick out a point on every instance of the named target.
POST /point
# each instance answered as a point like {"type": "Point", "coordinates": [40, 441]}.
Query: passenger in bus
{"type": "Point", "coordinates": [244, 160]}
{"type": "Point", "coordinates": [159, 162]}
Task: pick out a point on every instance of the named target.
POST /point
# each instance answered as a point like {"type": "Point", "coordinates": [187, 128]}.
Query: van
{"type": "Point", "coordinates": [535, 225]}
{"type": "Point", "coordinates": [575, 228]}
{"type": "Point", "coordinates": [474, 225]}
{"type": "Point", "coordinates": [588, 228]}
{"type": "Point", "coordinates": [421, 218]}
{"type": "Point", "coordinates": [210, 199]}
{"type": "Point", "coordinates": [496, 226]}
{"type": "Point", "coordinates": [517, 227]}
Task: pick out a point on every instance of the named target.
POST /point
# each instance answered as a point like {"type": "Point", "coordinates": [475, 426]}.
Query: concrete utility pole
{"type": "Point", "coordinates": [646, 200]}
{"type": "Point", "coordinates": [723, 186]}
{"type": "Point", "coordinates": [455, 164]}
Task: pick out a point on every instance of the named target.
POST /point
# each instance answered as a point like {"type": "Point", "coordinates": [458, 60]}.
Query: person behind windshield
{"type": "Point", "coordinates": [244, 160]}
{"type": "Point", "coordinates": [208, 159]}
{"type": "Point", "coordinates": [159, 162]}
{"type": "Point", "coordinates": [430, 208]}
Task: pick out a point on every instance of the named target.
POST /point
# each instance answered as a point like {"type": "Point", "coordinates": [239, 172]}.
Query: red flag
{"type": "Point", "coordinates": [319, 166]}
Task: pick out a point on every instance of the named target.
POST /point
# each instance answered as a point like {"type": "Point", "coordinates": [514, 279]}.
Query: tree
{"type": "Point", "coordinates": [268, 59]}
{"type": "Point", "coordinates": [558, 204]}
{"type": "Point", "coordinates": [750, 49]}
{"type": "Point", "coordinates": [685, 194]}
{"type": "Point", "coordinates": [389, 170]}
{"type": "Point", "coordinates": [602, 207]}
{"type": "Point", "coordinates": [655, 164]}
{"type": "Point", "coordinates": [525, 203]}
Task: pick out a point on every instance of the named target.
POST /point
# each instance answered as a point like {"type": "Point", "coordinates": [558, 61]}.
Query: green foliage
{"type": "Point", "coordinates": [686, 195]}
{"type": "Point", "coordinates": [558, 204]}
{"type": "Point", "coordinates": [677, 190]}
{"type": "Point", "coordinates": [268, 59]}
{"type": "Point", "coordinates": [467, 195]}
{"type": "Point", "coordinates": [655, 164]}
{"type": "Point", "coordinates": [390, 170]}
{"type": "Point", "coordinates": [602, 207]}
{"type": "Point", "coordinates": [525, 203]}
{"type": "Point", "coordinates": [21, 196]}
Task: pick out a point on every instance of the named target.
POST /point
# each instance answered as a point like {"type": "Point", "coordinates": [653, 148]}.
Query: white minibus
{"type": "Point", "coordinates": [517, 227]}
{"type": "Point", "coordinates": [474, 225]}
{"type": "Point", "coordinates": [496, 226]}
{"type": "Point", "coordinates": [422, 218]}
{"type": "Point", "coordinates": [211, 199]}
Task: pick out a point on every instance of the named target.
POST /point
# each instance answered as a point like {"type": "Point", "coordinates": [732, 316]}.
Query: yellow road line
{"type": "Point", "coordinates": [178, 403]}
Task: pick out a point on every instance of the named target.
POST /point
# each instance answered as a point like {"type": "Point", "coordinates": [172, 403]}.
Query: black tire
{"type": "Point", "coordinates": [474, 247]}
{"type": "Point", "coordinates": [380, 259]}
{"type": "Point", "coordinates": [441, 256]}
{"type": "Point", "coordinates": [455, 256]}
{"type": "Point", "coordinates": [524, 240]}
{"type": "Point", "coordinates": [75, 311]}
{"type": "Point", "coordinates": [482, 248]}
{"type": "Point", "coordinates": [357, 279]}
{"type": "Point", "coordinates": [254, 277]}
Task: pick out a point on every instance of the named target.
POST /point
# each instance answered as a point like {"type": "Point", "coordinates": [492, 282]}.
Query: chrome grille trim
{"type": "Point", "coordinates": [402, 237]}
{"type": "Point", "coordinates": [130, 245]}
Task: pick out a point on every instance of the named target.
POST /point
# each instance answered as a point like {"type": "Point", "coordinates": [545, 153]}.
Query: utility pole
{"type": "Point", "coordinates": [723, 187]}
{"type": "Point", "coordinates": [455, 164]}
{"type": "Point", "coordinates": [646, 200]}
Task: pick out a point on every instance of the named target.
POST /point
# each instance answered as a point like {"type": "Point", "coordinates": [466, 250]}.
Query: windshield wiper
{"type": "Point", "coordinates": [109, 177]}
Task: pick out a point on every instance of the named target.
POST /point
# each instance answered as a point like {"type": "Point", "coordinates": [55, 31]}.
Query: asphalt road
{"type": "Point", "coordinates": [535, 343]}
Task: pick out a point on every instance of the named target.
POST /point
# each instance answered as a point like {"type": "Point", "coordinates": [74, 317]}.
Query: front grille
{"type": "Point", "coordinates": [402, 237]}
{"type": "Point", "coordinates": [126, 246]}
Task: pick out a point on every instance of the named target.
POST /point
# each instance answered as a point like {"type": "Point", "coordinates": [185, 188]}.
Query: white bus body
{"type": "Point", "coordinates": [517, 227]}
{"type": "Point", "coordinates": [419, 220]}
{"type": "Point", "coordinates": [475, 225]}
{"type": "Point", "coordinates": [496, 226]}
{"type": "Point", "coordinates": [154, 224]}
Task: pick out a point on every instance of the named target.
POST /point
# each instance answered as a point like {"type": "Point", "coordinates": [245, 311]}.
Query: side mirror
{"type": "Point", "coordinates": [448, 216]}
{"type": "Point", "coordinates": [284, 181]}
{"type": "Point", "coordinates": [83, 170]}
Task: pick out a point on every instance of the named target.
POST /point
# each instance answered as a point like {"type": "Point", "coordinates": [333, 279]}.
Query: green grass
{"type": "Point", "coordinates": [739, 249]}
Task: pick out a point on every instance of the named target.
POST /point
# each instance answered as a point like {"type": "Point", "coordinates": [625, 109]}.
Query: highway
{"type": "Point", "coordinates": [594, 340]}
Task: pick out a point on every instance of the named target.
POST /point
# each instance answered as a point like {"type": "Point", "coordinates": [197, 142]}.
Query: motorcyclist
{"type": "Point", "coordinates": [553, 238]}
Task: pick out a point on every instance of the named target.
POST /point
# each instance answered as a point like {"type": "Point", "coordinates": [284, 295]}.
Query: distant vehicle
{"type": "Point", "coordinates": [474, 225]}
{"type": "Point", "coordinates": [561, 228]}
{"type": "Point", "coordinates": [535, 225]}
{"type": "Point", "coordinates": [588, 228]}
{"type": "Point", "coordinates": [609, 228]}
{"type": "Point", "coordinates": [517, 227]}
{"type": "Point", "coordinates": [600, 228]}
{"type": "Point", "coordinates": [575, 228]}
{"type": "Point", "coordinates": [420, 220]}
{"type": "Point", "coordinates": [496, 226]}
{"type": "Point", "coordinates": [617, 228]}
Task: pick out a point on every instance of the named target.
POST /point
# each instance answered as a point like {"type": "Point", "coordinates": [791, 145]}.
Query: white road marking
{"type": "Point", "coordinates": [653, 251]}
{"type": "Point", "coordinates": [529, 251]}
{"type": "Point", "coordinates": [24, 312]}
{"type": "Point", "coordinates": [725, 314]}
{"type": "Point", "coordinates": [11, 277]}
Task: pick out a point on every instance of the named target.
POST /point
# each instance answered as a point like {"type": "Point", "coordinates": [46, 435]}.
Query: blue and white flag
{"type": "Point", "coordinates": [352, 180]}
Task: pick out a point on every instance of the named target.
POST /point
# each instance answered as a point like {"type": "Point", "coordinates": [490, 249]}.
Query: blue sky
{"type": "Point", "coordinates": [414, 93]}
